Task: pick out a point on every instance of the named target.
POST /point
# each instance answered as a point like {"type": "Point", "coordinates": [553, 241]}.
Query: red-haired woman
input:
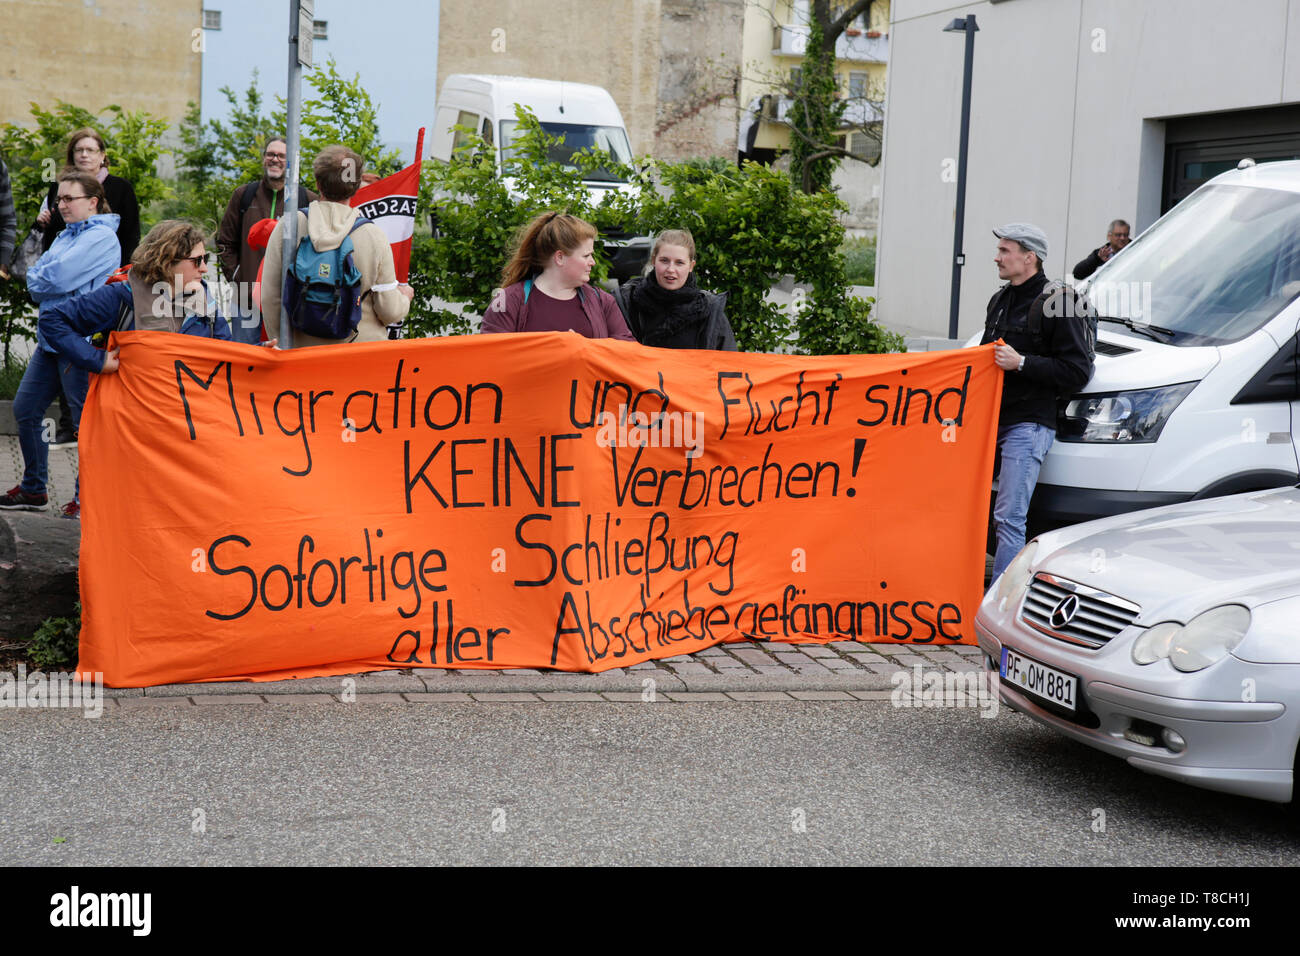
{"type": "Point", "coordinates": [545, 287]}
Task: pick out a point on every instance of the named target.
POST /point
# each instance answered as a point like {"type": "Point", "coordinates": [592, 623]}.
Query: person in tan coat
{"type": "Point", "coordinates": [328, 221]}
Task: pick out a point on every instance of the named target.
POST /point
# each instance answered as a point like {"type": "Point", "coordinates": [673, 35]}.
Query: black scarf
{"type": "Point", "coordinates": [666, 313]}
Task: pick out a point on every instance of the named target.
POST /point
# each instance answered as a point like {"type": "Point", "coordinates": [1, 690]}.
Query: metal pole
{"type": "Point", "coordinates": [289, 247]}
{"type": "Point", "coordinates": [958, 257]}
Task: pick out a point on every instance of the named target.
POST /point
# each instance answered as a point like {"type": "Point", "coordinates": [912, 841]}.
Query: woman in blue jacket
{"type": "Point", "coordinates": [164, 291]}
{"type": "Point", "coordinates": [79, 261]}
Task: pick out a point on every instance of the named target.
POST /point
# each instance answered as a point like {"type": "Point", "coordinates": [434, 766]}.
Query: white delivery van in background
{"type": "Point", "coordinates": [1197, 383]}
{"type": "Point", "coordinates": [586, 116]}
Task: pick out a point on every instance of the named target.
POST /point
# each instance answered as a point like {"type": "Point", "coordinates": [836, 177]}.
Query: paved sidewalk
{"type": "Point", "coordinates": [775, 671]}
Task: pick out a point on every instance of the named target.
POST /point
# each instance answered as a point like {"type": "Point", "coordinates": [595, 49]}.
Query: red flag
{"type": "Point", "coordinates": [390, 203]}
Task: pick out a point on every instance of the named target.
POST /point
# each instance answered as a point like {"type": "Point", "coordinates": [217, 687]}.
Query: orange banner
{"type": "Point", "coordinates": [531, 500]}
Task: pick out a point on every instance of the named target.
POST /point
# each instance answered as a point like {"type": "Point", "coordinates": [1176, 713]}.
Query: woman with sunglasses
{"type": "Point", "coordinates": [163, 291]}
{"type": "Point", "coordinates": [79, 261]}
{"type": "Point", "coordinates": [86, 153]}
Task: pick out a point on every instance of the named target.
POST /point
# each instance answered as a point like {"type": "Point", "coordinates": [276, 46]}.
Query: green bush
{"type": "Point", "coordinates": [10, 376]}
{"type": "Point", "coordinates": [859, 260]}
{"type": "Point", "coordinates": [36, 155]}
{"type": "Point", "coordinates": [55, 642]}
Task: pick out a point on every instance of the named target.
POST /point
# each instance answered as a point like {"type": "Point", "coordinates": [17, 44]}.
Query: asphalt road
{"type": "Point", "coordinates": [600, 783]}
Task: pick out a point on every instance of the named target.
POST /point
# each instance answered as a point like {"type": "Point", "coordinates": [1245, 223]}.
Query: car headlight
{"type": "Point", "coordinates": [1209, 637]}
{"type": "Point", "coordinates": [1153, 643]}
{"type": "Point", "coordinates": [1016, 576]}
{"type": "Point", "coordinates": [1132, 416]}
{"type": "Point", "coordinates": [1190, 647]}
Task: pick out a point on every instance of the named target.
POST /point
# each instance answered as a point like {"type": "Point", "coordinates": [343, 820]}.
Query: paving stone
{"type": "Point", "coordinates": [559, 696]}
{"type": "Point", "coordinates": [817, 650]}
{"type": "Point", "coordinates": [505, 698]}
{"type": "Point", "coordinates": [695, 696]}
{"type": "Point", "coordinates": [626, 697]}
{"type": "Point", "coordinates": [752, 657]}
{"type": "Point", "coordinates": [845, 645]}
{"type": "Point", "coordinates": [820, 695]}
{"type": "Point", "coordinates": [727, 663]}
{"type": "Point", "coordinates": [760, 695]}
{"type": "Point", "coordinates": [838, 663]}
{"type": "Point", "coordinates": [714, 651]}
{"type": "Point", "coordinates": [872, 694]}
{"type": "Point", "coordinates": [440, 698]}
{"type": "Point", "coordinates": [301, 699]}
{"type": "Point", "coordinates": [384, 698]}
{"type": "Point", "coordinates": [690, 669]}
{"type": "Point", "coordinates": [128, 703]}
{"type": "Point", "coordinates": [965, 665]}
{"type": "Point", "coordinates": [910, 660]}
{"type": "Point", "coordinates": [226, 699]}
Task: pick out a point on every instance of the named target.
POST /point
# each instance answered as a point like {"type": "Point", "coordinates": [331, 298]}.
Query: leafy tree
{"type": "Point", "coordinates": [36, 155]}
{"type": "Point", "coordinates": [817, 112]}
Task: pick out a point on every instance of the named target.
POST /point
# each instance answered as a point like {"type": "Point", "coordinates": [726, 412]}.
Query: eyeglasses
{"type": "Point", "coordinates": [66, 199]}
{"type": "Point", "coordinates": [275, 155]}
{"type": "Point", "coordinates": [87, 150]}
{"type": "Point", "coordinates": [196, 261]}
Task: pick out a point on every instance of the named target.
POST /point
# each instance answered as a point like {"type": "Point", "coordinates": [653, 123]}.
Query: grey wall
{"type": "Point", "coordinates": [1064, 133]}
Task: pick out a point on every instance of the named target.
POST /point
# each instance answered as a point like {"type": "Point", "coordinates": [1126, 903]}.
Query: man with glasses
{"type": "Point", "coordinates": [1116, 239]}
{"type": "Point", "coordinates": [249, 204]}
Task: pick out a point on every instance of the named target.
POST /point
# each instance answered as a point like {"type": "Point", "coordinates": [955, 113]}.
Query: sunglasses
{"type": "Point", "coordinates": [196, 261]}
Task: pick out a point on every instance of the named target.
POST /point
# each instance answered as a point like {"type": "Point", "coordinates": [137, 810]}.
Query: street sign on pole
{"type": "Point", "coordinates": [306, 15]}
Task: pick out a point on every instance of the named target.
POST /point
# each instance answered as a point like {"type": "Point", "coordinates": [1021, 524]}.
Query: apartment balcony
{"type": "Point", "coordinates": [792, 40]}
{"type": "Point", "coordinates": [857, 112]}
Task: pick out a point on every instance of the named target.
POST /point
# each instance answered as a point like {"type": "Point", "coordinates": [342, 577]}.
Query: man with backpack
{"type": "Point", "coordinates": [248, 205]}
{"type": "Point", "coordinates": [342, 285]}
{"type": "Point", "coordinates": [1047, 336]}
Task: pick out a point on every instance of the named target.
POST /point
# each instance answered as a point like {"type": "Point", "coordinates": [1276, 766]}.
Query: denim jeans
{"type": "Point", "coordinates": [1023, 447]}
{"type": "Point", "coordinates": [38, 388]}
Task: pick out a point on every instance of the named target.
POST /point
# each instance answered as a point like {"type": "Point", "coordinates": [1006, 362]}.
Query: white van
{"type": "Point", "coordinates": [586, 116]}
{"type": "Point", "coordinates": [1197, 379]}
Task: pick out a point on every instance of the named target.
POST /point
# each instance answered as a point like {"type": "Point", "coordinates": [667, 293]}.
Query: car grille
{"type": "Point", "coordinates": [1091, 619]}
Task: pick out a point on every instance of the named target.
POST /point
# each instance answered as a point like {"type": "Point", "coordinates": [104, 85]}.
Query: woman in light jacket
{"type": "Point", "coordinates": [79, 260]}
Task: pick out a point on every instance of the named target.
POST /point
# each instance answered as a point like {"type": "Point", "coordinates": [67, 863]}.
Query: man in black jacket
{"type": "Point", "coordinates": [1116, 239]}
{"type": "Point", "coordinates": [249, 204]}
{"type": "Point", "coordinates": [1046, 352]}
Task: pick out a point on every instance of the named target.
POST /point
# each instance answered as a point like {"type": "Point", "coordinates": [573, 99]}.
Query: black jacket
{"type": "Point", "coordinates": [1091, 264]}
{"type": "Point", "coordinates": [121, 200]}
{"type": "Point", "coordinates": [1055, 341]}
{"type": "Point", "coordinates": [715, 333]}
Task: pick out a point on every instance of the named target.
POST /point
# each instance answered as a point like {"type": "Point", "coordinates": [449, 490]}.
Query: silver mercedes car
{"type": "Point", "coordinates": [1168, 637]}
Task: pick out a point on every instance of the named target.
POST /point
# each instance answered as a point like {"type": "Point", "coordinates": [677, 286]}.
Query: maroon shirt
{"type": "Point", "coordinates": [546, 314]}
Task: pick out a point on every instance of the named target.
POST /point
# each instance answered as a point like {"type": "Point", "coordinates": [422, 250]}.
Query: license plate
{"type": "Point", "coordinates": [1041, 681]}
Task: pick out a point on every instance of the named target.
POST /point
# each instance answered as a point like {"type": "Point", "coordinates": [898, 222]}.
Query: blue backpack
{"type": "Point", "coordinates": [322, 290]}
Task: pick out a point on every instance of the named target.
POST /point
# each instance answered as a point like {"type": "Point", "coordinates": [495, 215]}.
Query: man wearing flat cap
{"type": "Point", "coordinates": [1047, 352]}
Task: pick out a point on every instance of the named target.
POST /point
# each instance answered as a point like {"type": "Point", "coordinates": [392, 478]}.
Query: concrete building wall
{"type": "Point", "coordinates": [614, 45]}
{"type": "Point", "coordinates": [700, 44]}
{"type": "Point", "coordinates": [93, 53]}
{"type": "Point", "coordinates": [1069, 104]}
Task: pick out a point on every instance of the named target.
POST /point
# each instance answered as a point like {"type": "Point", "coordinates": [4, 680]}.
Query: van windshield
{"type": "Point", "coordinates": [1224, 262]}
{"type": "Point", "coordinates": [577, 136]}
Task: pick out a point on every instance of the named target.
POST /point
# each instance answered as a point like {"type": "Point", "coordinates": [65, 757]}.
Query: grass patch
{"type": "Point", "coordinates": [860, 260]}
{"type": "Point", "coordinates": [10, 376]}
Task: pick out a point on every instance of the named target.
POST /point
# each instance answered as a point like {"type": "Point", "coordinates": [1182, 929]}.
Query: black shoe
{"type": "Point", "coordinates": [18, 500]}
{"type": "Point", "coordinates": [64, 438]}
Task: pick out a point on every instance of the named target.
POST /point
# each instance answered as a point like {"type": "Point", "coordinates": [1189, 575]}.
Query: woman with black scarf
{"type": "Point", "coordinates": [665, 308]}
